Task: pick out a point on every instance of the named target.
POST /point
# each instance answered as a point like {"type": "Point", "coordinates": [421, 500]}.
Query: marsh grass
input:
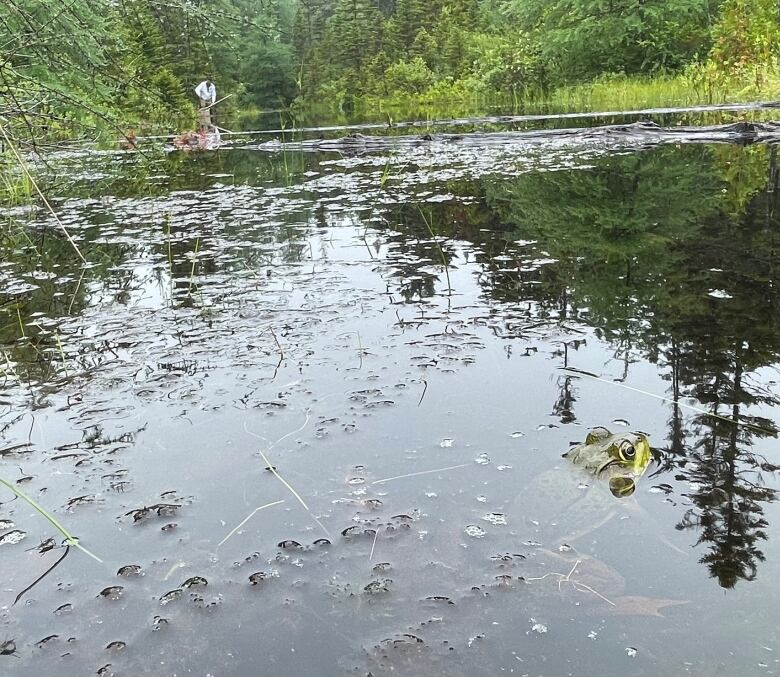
{"type": "Point", "coordinates": [272, 469]}
{"type": "Point", "coordinates": [287, 172]}
{"type": "Point", "coordinates": [384, 179]}
{"type": "Point", "coordinates": [22, 332]}
{"type": "Point", "coordinates": [421, 472]}
{"type": "Point", "coordinates": [699, 84]}
{"type": "Point", "coordinates": [246, 519]}
{"type": "Point", "coordinates": [26, 172]}
{"type": "Point", "coordinates": [62, 353]}
{"type": "Point", "coordinates": [15, 189]}
{"type": "Point", "coordinates": [14, 236]}
{"type": "Point", "coordinates": [167, 221]}
{"type": "Point", "coordinates": [194, 265]}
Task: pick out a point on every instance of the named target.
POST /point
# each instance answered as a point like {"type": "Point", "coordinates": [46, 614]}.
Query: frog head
{"type": "Point", "coordinates": [621, 458]}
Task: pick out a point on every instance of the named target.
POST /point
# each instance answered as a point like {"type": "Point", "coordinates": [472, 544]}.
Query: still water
{"type": "Point", "coordinates": [299, 404]}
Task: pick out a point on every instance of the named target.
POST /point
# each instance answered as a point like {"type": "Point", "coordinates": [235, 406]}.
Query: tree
{"type": "Point", "coordinates": [747, 34]}
{"type": "Point", "coordinates": [584, 38]}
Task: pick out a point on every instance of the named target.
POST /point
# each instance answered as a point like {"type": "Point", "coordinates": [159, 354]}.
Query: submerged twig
{"type": "Point", "coordinates": [278, 345]}
{"type": "Point", "coordinates": [42, 576]}
{"type": "Point", "coordinates": [568, 579]}
{"type": "Point", "coordinates": [425, 389]}
{"type": "Point", "coordinates": [670, 400]}
{"type": "Point", "coordinates": [421, 472]}
{"type": "Point", "coordinates": [246, 519]}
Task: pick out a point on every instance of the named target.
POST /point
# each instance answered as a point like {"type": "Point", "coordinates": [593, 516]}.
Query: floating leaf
{"type": "Point", "coordinates": [12, 537]}
{"type": "Point", "coordinates": [111, 592]}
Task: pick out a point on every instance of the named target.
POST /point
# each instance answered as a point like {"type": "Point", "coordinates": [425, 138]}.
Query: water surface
{"type": "Point", "coordinates": [394, 332]}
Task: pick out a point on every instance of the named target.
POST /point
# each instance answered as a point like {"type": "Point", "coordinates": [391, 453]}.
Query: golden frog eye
{"type": "Point", "coordinates": [627, 451]}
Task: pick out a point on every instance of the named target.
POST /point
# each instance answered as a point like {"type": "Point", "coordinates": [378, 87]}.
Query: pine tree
{"type": "Point", "coordinates": [354, 34]}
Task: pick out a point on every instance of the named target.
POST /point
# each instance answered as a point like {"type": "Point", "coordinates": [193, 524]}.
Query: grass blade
{"type": "Point", "coordinates": [246, 519]}
{"type": "Point", "coordinates": [70, 538]}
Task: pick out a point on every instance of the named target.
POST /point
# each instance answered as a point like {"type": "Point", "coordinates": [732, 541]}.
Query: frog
{"type": "Point", "coordinates": [621, 458]}
{"type": "Point", "coordinates": [576, 498]}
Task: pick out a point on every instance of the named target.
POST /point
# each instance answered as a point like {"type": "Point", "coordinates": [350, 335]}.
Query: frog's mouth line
{"type": "Point", "coordinates": [614, 461]}
{"type": "Point", "coordinates": [609, 463]}
{"type": "Point", "coordinates": [605, 465]}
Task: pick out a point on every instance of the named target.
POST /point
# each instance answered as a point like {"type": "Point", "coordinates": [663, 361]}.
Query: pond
{"type": "Point", "coordinates": [304, 401]}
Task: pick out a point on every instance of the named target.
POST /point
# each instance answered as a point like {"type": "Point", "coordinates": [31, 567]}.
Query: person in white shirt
{"type": "Point", "coordinates": [207, 93]}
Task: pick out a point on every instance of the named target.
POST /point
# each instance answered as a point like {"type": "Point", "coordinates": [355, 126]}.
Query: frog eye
{"type": "Point", "coordinates": [627, 451]}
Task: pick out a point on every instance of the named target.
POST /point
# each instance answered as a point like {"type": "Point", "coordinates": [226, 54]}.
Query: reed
{"type": "Point", "coordinates": [40, 194]}
{"type": "Point", "coordinates": [15, 190]}
{"type": "Point", "coordinates": [70, 539]}
{"type": "Point", "coordinates": [246, 519]}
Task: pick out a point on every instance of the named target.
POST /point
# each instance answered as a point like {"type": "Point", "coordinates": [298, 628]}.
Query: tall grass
{"type": "Point", "coordinates": [699, 84]}
{"type": "Point", "coordinates": [15, 189]}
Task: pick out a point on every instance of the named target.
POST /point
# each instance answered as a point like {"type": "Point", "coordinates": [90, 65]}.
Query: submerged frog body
{"type": "Point", "coordinates": [574, 499]}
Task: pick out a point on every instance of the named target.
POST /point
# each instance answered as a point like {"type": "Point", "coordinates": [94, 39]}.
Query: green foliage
{"type": "Point", "coordinates": [268, 75]}
{"type": "Point", "coordinates": [507, 64]}
{"type": "Point", "coordinates": [409, 76]}
{"type": "Point", "coordinates": [748, 33]}
{"type": "Point", "coordinates": [581, 39]}
{"type": "Point", "coordinates": [525, 48]}
{"type": "Point", "coordinates": [85, 65]}
{"type": "Point", "coordinates": [113, 64]}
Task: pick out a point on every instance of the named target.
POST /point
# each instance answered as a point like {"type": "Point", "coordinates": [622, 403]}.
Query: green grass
{"type": "Point", "coordinates": [429, 226]}
{"type": "Point", "coordinates": [696, 86]}
{"type": "Point", "coordinates": [15, 188]}
{"type": "Point", "coordinates": [699, 84]}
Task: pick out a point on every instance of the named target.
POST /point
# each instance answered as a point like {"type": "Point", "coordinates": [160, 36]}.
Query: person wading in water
{"type": "Point", "coordinates": [207, 96]}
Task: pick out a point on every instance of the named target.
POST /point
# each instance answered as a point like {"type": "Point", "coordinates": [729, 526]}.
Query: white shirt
{"type": "Point", "coordinates": [206, 92]}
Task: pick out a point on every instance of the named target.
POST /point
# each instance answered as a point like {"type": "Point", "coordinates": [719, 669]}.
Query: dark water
{"type": "Point", "coordinates": [242, 308]}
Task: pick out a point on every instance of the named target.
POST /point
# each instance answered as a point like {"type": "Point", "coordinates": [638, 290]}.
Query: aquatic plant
{"type": "Point", "coordinates": [23, 166]}
{"type": "Point", "coordinates": [444, 262]}
{"type": "Point", "coordinates": [70, 539]}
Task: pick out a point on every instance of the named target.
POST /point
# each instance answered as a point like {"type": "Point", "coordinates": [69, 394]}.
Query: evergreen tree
{"type": "Point", "coordinates": [354, 34]}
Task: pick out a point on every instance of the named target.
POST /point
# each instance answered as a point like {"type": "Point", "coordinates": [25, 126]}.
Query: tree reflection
{"type": "Point", "coordinates": [669, 255]}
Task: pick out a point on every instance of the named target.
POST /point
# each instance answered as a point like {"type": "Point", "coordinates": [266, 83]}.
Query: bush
{"type": "Point", "coordinates": [410, 77]}
{"type": "Point", "coordinates": [504, 65]}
